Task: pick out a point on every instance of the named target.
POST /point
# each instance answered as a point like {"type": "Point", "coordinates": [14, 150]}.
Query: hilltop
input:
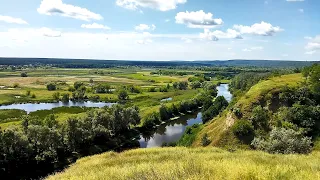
{"type": "Point", "coordinates": [193, 163]}
{"type": "Point", "coordinates": [219, 129]}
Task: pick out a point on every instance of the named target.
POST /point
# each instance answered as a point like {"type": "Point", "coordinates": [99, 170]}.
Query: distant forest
{"type": "Point", "coordinates": [86, 63]}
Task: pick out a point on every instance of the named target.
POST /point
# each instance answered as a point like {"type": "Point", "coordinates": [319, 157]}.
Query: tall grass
{"type": "Point", "coordinates": [196, 163]}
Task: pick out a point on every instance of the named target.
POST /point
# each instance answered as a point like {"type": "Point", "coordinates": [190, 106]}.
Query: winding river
{"type": "Point", "coordinates": [173, 131]}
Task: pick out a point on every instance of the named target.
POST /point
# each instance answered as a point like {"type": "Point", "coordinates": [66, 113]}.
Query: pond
{"type": "Point", "coordinates": [32, 107]}
{"type": "Point", "coordinates": [173, 131]}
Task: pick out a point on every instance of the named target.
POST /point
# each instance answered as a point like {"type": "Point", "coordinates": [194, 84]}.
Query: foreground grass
{"type": "Point", "coordinates": [196, 163]}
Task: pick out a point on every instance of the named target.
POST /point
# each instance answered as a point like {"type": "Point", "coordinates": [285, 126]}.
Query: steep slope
{"type": "Point", "coordinates": [218, 129]}
{"type": "Point", "coordinates": [193, 163]}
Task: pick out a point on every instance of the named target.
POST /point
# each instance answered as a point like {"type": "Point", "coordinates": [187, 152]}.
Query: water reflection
{"type": "Point", "coordinates": [223, 90]}
{"type": "Point", "coordinates": [169, 132]}
{"type": "Point", "coordinates": [32, 107]}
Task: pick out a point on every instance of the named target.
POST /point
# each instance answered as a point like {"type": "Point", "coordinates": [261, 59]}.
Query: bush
{"type": "Point", "coordinates": [71, 89]}
{"type": "Point", "coordinates": [65, 98]}
{"type": "Point", "coordinates": [77, 84]}
{"type": "Point", "coordinates": [123, 95]}
{"type": "Point", "coordinates": [51, 87]}
{"type": "Point", "coordinates": [33, 96]}
{"type": "Point", "coordinates": [284, 141]}
{"type": "Point", "coordinates": [24, 74]}
{"type": "Point", "coordinates": [152, 89]}
{"type": "Point", "coordinates": [28, 92]}
{"type": "Point", "coordinates": [205, 141]}
{"type": "Point", "coordinates": [243, 128]}
{"type": "Point", "coordinates": [16, 85]}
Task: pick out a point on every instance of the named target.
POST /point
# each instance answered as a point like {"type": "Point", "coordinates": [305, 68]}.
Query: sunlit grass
{"type": "Point", "coordinates": [193, 163]}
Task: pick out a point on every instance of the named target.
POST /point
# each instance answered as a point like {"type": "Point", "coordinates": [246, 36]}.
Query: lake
{"type": "Point", "coordinates": [173, 131]}
{"type": "Point", "coordinates": [31, 107]}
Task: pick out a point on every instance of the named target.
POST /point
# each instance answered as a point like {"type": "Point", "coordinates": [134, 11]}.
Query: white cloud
{"type": "Point", "coordinates": [167, 20]}
{"type": "Point", "coordinates": [145, 27]}
{"type": "Point", "coordinates": [162, 5]}
{"type": "Point", "coordinates": [216, 35]}
{"type": "Point", "coordinates": [95, 26]}
{"type": "Point", "coordinates": [313, 46]}
{"type": "Point", "coordinates": [308, 37]}
{"type": "Point", "coordinates": [301, 10]}
{"type": "Point", "coordinates": [197, 19]}
{"type": "Point", "coordinates": [57, 7]}
{"type": "Point", "coordinates": [12, 20]}
{"type": "Point", "coordinates": [295, 0]}
{"type": "Point", "coordinates": [262, 29]}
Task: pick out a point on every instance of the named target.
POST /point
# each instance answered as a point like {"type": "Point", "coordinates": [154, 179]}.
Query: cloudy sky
{"type": "Point", "coordinates": [161, 29]}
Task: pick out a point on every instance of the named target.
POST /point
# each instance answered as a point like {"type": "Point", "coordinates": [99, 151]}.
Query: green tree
{"type": "Point", "coordinates": [51, 87]}
{"type": "Point", "coordinates": [123, 95]}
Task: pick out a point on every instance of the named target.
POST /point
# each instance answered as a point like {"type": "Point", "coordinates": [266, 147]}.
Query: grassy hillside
{"type": "Point", "coordinates": [218, 130]}
{"type": "Point", "coordinates": [193, 163]}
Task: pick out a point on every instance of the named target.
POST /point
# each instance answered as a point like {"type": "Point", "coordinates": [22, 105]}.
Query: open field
{"type": "Point", "coordinates": [193, 163]}
{"type": "Point", "coordinates": [14, 88]}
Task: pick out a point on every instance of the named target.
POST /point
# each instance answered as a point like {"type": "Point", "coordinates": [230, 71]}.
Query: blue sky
{"type": "Point", "coordinates": [161, 29]}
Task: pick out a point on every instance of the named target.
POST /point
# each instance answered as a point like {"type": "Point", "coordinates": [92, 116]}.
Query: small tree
{"type": "Point", "coordinates": [51, 87]}
{"type": "Point", "coordinates": [123, 95]}
{"type": "Point", "coordinates": [65, 98]}
{"type": "Point", "coordinates": [77, 85]}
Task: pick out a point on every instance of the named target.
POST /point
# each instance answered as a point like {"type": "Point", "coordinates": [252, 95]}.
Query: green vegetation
{"type": "Point", "coordinates": [273, 110]}
{"type": "Point", "coordinates": [193, 163]}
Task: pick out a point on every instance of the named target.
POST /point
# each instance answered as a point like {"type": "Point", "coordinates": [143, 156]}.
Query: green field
{"type": "Point", "coordinates": [14, 89]}
{"type": "Point", "coordinates": [193, 163]}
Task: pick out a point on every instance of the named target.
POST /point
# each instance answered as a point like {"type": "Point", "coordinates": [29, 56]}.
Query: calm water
{"type": "Point", "coordinates": [47, 106]}
{"type": "Point", "coordinates": [173, 131]}
{"type": "Point", "coordinates": [223, 90]}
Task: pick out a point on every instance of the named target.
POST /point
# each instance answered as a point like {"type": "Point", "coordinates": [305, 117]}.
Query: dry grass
{"type": "Point", "coordinates": [193, 163]}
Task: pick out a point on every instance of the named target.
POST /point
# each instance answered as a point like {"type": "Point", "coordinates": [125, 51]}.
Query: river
{"type": "Point", "coordinates": [173, 131]}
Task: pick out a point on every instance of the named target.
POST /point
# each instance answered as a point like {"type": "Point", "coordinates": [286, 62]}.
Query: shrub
{"type": "Point", "coordinates": [24, 74]}
{"type": "Point", "coordinates": [51, 87]}
{"type": "Point", "coordinates": [123, 95]}
{"type": "Point", "coordinates": [65, 97]}
{"type": "Point", "coordinates": [16, 85]}
{"type": "Point", "coordinates": [33, 96]}
{"type": "Point", "coordinates": [284, 141]}
{"type": "Point", "coordinates": [243, 128]}
{"type": "Point", "coordinates": [77, 84]}
{"type": "Point", "coordinates": [205, 141]}
{"type": "Point", "coordinates": [71, 89]}
{"type": "Point", "coordinates": [152, 89]}
{"type": "Point", "coordinates": [28, 92]}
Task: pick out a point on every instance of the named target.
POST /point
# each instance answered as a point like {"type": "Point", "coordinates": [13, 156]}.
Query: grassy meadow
{"type": "Point", "coordinates": [14, 89]}
{"type": "Point", "coordinates": [193, 163]}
